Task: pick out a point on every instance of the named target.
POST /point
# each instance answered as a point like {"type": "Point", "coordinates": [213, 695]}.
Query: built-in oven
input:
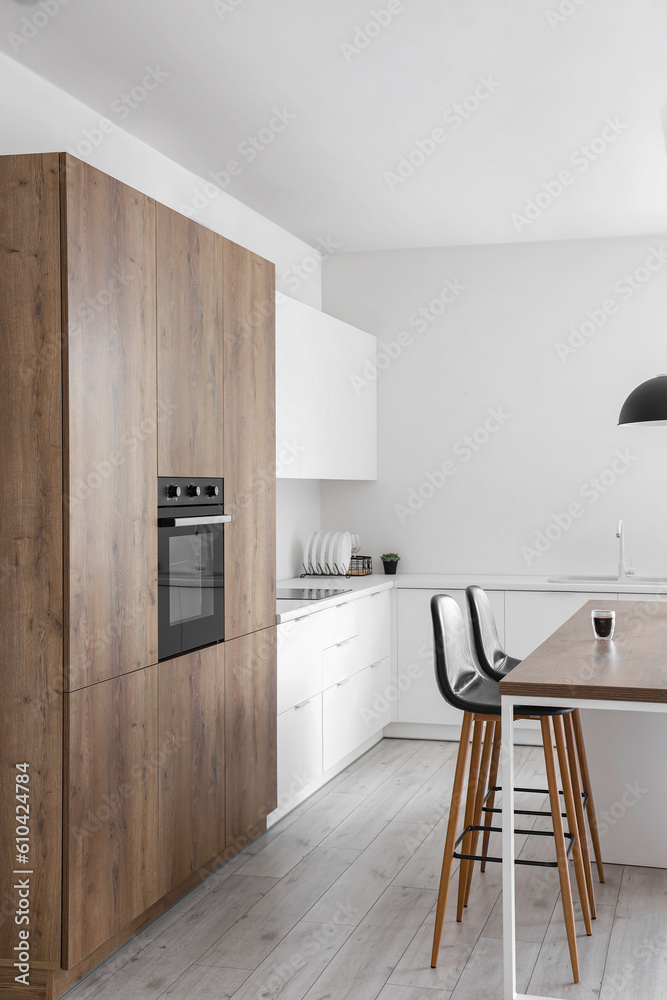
{"type": "Point", "coordinates": [191, 592]}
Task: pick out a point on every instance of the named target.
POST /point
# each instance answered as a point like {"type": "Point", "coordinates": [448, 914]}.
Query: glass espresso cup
{"type": "Point", "coordinates": [603, 624]}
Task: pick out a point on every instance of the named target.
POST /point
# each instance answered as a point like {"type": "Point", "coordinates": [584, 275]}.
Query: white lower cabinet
{"type": "Point", "coordinates": [333, 690]}
{"type": "Point", "coordinates": [420, 701]}
{"type": "Point", "coordinates": [532, 616]}
{"type": "Point", "coordinates": [299, 749]}
{"type": "Point", "coordinates": [354, 710]}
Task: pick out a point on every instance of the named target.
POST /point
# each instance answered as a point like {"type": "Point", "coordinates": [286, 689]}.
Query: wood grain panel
{"type": "Point", "coordinates": [31, 595]}
{"type": "Point", "coordinates": [250, 440]}
{"type": "Point", "coordinates": [192, 774]}
{"type": "Point", "coordinates": [39, 988]}
{"type": "Point", "coordinates": [573, 664]}
{"type": "Point", "coordinates": [109, 236]}
{"type": "Point", "coordinates": [111, 829]}
{"type": "Point", "coordinates": [250, 731]}
{"type": "Point", "coordinates": [189, 323]}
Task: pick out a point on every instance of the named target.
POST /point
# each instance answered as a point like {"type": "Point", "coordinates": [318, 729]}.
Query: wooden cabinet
{"type": "Point", "coordinates": [326, 394]}
{"type": "Point", "coordinates": [250, 732]}
{"type": "Point", "coordinates": [250, 443]}
{"type": "Point", "coordinates": [192, 771]}
{"type": "Point", "coordinates": [189, 347]}
{"type": "Point", "coordinates": [111, 425]}
{"type": "Point", "coordinates": [31, 591]}
{"type": "Point", "coordinates": [111, 796]}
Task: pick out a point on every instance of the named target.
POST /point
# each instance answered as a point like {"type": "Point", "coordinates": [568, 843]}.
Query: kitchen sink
{"type": "Point", "coordinates": [628, 580]}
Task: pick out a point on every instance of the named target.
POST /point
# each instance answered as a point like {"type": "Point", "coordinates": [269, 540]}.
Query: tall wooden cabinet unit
{"type": "Point", "coordinates": [189, 332]}
{"type": "Point", "coordinates": [115, 317]}
{"type": "Point", "coordinates": [31, 592]}
{"type": "Point", "coordinates": [192, 764]}
{"type": "Point", "coordinates": [250, 440]}
{"type": "Point", "coordinates": [250, 733]}
{"type": "Point", "coordinates": [111, 432]}
{"type": "Point", "coordinates": [111, 819]}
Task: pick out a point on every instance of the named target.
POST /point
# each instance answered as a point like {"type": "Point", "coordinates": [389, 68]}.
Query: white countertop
{"type": "Point", "coordinates": [362, 585]}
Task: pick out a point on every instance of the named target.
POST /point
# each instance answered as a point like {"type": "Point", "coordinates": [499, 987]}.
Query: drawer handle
{"type": "Point", "coordinates": [378, 593]}
{"type": "Point", "coordinates": [346, 681]}
{"type": "Point", "coordinates": [377, 663]}
{"type": "Point", "coordinates": [303, 704]}
{"type": "Point", "coordinates": [344, 643]}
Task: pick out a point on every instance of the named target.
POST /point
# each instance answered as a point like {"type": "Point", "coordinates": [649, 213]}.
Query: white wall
{"type": "Point", "coordinates": [38, 117]}
{"type": "Point", "coordinates": [493, 348]}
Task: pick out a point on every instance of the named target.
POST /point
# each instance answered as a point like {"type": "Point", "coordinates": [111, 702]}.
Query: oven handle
{"type": "Point", "coordinates": [184, 522]}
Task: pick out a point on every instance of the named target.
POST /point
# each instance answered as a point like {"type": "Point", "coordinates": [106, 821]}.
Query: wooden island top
{"type": "Point", "coordinates": [573, 663]}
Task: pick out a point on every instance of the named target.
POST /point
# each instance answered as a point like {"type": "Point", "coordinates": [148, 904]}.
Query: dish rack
{"type": "Point", "coordinates": [359, 566]}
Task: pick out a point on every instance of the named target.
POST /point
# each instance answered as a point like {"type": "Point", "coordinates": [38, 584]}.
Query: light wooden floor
{"type": "Point", "coordinates": [337, 901]}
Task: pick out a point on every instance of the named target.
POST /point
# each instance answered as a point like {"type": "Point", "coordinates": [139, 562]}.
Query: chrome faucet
{"type": "Point", "coordinates": [623, 570]}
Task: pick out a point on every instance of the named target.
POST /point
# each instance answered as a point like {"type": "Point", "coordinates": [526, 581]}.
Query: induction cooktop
{"type": "Point", "coordinates": [309, 593]}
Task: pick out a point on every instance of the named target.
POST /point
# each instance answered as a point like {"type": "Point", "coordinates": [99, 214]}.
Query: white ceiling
{"type": "Point", "coordinates": [231, 62]}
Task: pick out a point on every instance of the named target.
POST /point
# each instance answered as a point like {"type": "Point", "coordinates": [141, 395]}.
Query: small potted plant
{"type": "Point", "coordinates": [390, 562]}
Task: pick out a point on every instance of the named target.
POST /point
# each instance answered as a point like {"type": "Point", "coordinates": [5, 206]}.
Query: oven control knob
{"type": "Point", "coordinates": [212, 491]}
{"type": "Point", "coordinates": [173, 492]}
{"type": "Point", "coordinates": [193, 491]}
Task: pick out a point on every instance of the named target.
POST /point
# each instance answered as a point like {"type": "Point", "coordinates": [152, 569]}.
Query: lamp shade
{"type": "Point", "coordinates": [647, 404]}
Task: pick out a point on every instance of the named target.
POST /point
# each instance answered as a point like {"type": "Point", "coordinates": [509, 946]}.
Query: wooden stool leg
{"type": "Point", "coordinates": [561, 854]}
{"type": "Point", "coordinates": [586, 787]}
{"type": "Point", "coordinates": [578, 805]}
{"type": "Point", "coordinates": [482, 785]}
{"type": "Point", "coordinates": [573, 826]}
{"type": "Point", "coordinates": [473, 776]}
{"type": "Point", "coordinates": [493, 781]}
{"type": "Point", "coordinates": [448, 855]}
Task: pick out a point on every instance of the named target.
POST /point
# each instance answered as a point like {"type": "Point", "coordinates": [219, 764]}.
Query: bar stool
{"type": "Point", "coordinates": [496, 664]}
{"type": "Point", "coordinates": [463, 685]}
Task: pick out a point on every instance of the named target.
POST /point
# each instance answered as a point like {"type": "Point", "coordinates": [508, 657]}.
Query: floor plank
{"type": "Point", "coordinates": [366, 879]}
{"type": "Point", "coordinates": [637, 960]}
{"type": "Point", "coordinates": [292, 846]}
{"type": "Point", "coordinates": [552, 976]}
{"type": "Point", "coordinates": [172, 953]}
{"type": "Point", "coordinates": [412, 993]}
{"type": "Point", "coordinates": [300, 958]}
{"type": "Point", "coordinates": [458, 939]}
{"type": "Point", "coordinates": [262, 927]}
{"type": "Point", "coordinates": [205, 983]}
{"type": "Point", "coordinates": [483, 974]}
{"type": "Point", "coordinates": [381, 806]}
{"type": "Point", "coordinates": [362, 966]}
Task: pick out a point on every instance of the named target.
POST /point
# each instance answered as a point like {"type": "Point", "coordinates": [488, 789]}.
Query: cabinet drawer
{"type": "Point", "coordinates": [339, 624]}
{"type": "Point", "coordinates": [341, 661]}
{"type": "Point", "coordinates": [375, 626]}
{"type": "Point", "coordinates": [353, 710]}
{"type": "Point", "coordinates": [299, 661]}
{"type": "Point", "coordinates": [299, 749]}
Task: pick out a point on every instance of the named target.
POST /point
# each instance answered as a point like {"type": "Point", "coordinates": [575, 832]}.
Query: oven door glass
{"type": "Point", "coordinates": [190, 588]}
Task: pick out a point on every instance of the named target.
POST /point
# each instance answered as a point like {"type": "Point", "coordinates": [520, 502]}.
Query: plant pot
{"type": "Point", "coordinates": [390, 568]}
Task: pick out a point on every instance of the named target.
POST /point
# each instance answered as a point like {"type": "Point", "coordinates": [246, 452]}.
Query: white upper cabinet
{"type": "Point", "coordinates": [326, 404]}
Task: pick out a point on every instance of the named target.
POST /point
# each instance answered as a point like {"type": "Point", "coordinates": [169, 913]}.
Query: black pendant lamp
{"type": "Point", "coordinates": [647, 404]}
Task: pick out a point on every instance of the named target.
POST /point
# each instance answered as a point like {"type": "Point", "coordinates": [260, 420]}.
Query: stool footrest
{"type": "Point", "coordinates": [569, 837]}
{"type": "Point", "coordinates": [527, 812]}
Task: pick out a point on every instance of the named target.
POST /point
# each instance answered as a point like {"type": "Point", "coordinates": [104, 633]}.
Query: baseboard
{"type": "Point", "coordinates": [422, 731]}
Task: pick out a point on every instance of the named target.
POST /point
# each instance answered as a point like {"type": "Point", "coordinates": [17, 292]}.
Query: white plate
{"type": "Point", "coordinates": [331, 550]}
{"type": "Point", "coordinates": [306, 551]}
{"type": "Point", "coordinates": [312, 555]}
{"type": "Point", "coordinates": [344, 552]}
{"type": "Point", "coordinates": [322, 550]}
